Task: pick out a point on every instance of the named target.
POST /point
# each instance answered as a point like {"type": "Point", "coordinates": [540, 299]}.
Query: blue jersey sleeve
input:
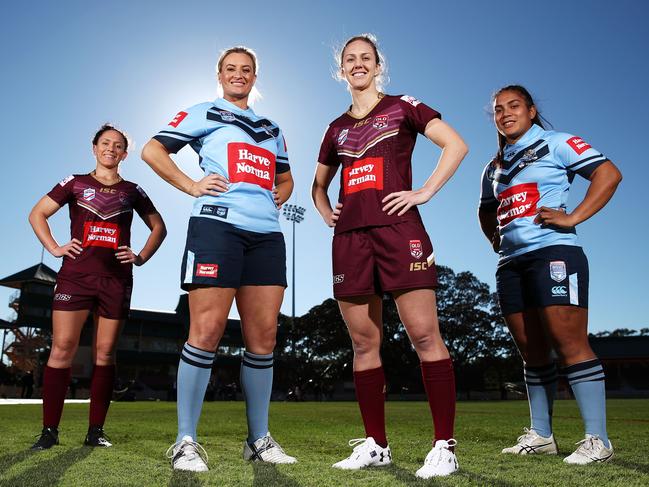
{"type": "Point", "coordinates": [488, 200]}
{"type": "Point", "coordinates": [187, 126]}
{"type": "Point", "coordinates": [282, 154]}
{"type": "Point", "coordinates": [576, 155]}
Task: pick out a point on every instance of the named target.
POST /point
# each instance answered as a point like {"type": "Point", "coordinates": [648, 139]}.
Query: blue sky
{"type": "Point", "coordinates": [68, 66]}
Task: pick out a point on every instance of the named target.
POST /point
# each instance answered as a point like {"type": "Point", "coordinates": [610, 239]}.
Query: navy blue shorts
{"type": "Point", "coordinates": [218, 254]}
{"type": "Point", "coordinates": [554, 275]}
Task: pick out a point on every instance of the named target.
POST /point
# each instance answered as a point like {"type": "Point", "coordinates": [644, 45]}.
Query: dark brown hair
{"type": "Point", "coordinates": [105, 128]}
{"type": "Point", "coordinates": [529, 102]}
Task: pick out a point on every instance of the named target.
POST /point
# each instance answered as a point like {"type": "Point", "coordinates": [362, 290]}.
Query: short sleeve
{"type": "Point", "coordinates": [488, 200]}
{"type": "Point", "coordinates": [143, 204]}
{"type": "Point", "coordinates": [418, 113]}
{"type": "Point", "coordinates": [328, 154]}
{"type": "Point", "coordinates": [187, 126]}
{"type": "Point", "coordinates": [62, 193]}
{"type": "Point", "coordinates": [282, 154]}
{"type": "Point", "coordinates": [576, 155]}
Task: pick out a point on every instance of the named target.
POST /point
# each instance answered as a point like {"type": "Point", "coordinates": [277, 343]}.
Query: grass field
{"type": "Point", "coordinates": [316, 433]}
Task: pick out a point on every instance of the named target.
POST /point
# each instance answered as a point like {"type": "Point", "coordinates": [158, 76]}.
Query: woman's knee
{"type": "Point", "coordinates": [63, 351]}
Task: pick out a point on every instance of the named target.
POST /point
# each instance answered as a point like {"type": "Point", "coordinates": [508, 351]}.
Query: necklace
{"type": "Point", "coordinates": [93, 173]}
{"type": "Point", "coordinates": [379, 97]}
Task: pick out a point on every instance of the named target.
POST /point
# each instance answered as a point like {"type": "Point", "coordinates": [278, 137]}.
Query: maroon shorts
{"type": "Point", "coordinates": [110, 297]}
{"type": "Point", "coordinates": [375, 260]}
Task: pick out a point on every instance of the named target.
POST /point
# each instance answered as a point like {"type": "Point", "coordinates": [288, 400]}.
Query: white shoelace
{"type": "Point", "coordinates": [587, 445]}
{"type": "Point", "coordinates": [435, 456]}
{"type": "Point", "coordinates": [529, 434]}
{"type": "Point", "coordinates": [198, 449]}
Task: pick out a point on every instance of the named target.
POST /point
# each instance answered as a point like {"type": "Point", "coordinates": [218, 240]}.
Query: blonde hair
{"type": "Point", "coordinates": [254, 92]}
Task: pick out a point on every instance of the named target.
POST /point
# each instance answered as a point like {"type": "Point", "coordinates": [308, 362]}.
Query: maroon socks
{"type": "Point", "coordinates": [439, 382]}
{"type": "Point", "coordinates": [370, 393]}
{"type": "Point", "coordinates": [55, 388]}
{"type": "Point", "coordinates": [101, 391]}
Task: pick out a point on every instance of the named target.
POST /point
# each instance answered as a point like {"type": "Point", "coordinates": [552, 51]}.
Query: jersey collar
{"type": "Point", "coordinates": [533, 133]}
{"type": "Point", "coordinates": [225, 104]}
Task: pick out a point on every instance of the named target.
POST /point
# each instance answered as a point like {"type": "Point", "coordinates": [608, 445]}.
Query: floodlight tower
{"type": "Point", "coordinates": [294, 214]}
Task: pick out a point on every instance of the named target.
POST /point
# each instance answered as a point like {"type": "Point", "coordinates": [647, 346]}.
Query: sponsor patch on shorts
{"type": "Point", "coordinates": [207, 270]}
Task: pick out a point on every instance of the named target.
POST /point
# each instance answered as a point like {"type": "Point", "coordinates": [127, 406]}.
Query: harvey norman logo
{"type": "Point", "coordinates": [100, 234]}
{"type": "Point", "coordinates": [251, 164]}
{"type": "Point", "coordinates": [364, 174]}
{"type": "Point", "coordinates": [517, 201]}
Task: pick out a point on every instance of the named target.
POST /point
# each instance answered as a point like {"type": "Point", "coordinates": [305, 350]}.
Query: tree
{"type": "Point", "coordinates": [469, 318]}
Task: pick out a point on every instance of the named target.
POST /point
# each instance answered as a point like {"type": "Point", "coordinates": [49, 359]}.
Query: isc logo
{"type": "Point", "coordinates": [418, 266]}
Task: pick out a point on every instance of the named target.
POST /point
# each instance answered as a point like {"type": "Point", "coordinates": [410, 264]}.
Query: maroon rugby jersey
{"type": "Point", "coordinates": [100, 217]}
{"type": "Point", "coordinates": [375, 152]}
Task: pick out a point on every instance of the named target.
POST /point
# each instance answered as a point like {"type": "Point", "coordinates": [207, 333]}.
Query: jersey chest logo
{"type": "Point", "coordinates": [100, 234]}
{"type": "Point", "coordinates": [364, 174]}
{"type": "Point", "coordinates": [251, 164]}
{"type": "Point", "coordinates": [517, 201]}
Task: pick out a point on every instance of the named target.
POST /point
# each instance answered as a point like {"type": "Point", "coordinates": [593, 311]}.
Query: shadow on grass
{"type": "Point", "coordinates": [48, 472]}
{"type": "Point", "coordinates": [185, 479]}
{"type": "Point", "coordinates": [640, 467]}
{"type": "Point", "coordinates": [267, 474]}
{"type": "Point", "coordinates": [478, 479]}
{"type": "Point", "coordinates": [11, 459]}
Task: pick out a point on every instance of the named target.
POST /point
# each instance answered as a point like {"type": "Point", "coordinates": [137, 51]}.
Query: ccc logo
{"type": "Point", "coordinates": [559, 291]}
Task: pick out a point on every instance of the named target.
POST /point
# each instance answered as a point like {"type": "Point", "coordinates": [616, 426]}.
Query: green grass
{"type": "Point", "coordinates": [316, 433]}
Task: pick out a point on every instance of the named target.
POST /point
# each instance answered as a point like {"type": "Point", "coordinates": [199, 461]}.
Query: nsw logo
{"type": "Point", "coordinates": [558, 270]}
{"type": "Point", "coordinates": [89, 194]}
{"type": "Point", "coordinates": [227, 116]}
{"type": "Point", "coordinates": [415, 249]}
{"type": "Point", "coordinates": [559, 291]}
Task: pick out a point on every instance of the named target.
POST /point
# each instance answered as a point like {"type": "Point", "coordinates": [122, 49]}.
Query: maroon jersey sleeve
{"type": "Point", "coordinates": [328, 154]}
{"type": "Point", "coordinates": [143, 204]}
{"type": "Point", "coordinates": [62, 193]}
{"type": "Point", "coordinates": [418, 114]}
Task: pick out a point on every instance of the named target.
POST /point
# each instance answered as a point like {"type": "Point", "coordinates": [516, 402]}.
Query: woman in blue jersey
{"type": "Point", "coordinates": [235, 249]}
{"type": "Point", "coordinates": [542, 276]}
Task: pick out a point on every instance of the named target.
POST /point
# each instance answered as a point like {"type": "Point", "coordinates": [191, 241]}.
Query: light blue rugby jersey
{"type": "Point", "coordinates": [243, 147]}
{"type": "Point", "coordinates": [537, 171]}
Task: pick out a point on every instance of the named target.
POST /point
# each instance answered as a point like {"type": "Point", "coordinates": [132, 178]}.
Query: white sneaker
{"type": "Point", "coordinates": [186, 454]}
{"type": "Point", "coordinates": [591, 450]}
{"type": "Point", "coordinates": [440, 461]}
{"type": "Point", "coordinates": [366, 454]}
{"type": "Point", "coordinates": [532, 443]}
{"type": "Point", "coordinates": [266, 449]}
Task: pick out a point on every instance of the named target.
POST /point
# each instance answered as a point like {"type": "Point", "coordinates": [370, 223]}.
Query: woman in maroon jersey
{"type": "Point", "coordinates": [96, 276]}
{"type": "Point", "coordinates": [380, 245]}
